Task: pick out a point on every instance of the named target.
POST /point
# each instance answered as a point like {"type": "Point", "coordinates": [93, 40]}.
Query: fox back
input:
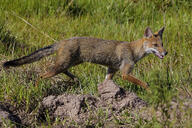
{"type": "Point", "coordinates": [87, 49]}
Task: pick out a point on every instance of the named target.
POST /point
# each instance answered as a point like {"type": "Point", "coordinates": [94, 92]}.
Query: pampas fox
{"type": "Point", "coordinates": [116, 55]}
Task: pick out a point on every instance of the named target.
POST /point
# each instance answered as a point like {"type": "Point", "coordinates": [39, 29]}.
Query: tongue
{"type": "Point", "coordinates": [160, 56]}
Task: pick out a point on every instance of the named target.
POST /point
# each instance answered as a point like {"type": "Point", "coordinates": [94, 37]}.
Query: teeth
{"type": "Point", "coordinates": [159, 55]}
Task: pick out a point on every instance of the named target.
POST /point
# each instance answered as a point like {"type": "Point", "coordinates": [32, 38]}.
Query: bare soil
{"type": "Point", "coordinates": [87, 110]}
{"type": "Point", "coordinates": [79, 108]}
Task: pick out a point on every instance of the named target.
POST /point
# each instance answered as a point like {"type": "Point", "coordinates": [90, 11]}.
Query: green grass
{"type": "Point", "coordinates": [169, 78]}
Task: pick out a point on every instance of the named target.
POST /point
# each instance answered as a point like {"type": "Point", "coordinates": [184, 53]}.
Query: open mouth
{"type": "Point", "coordinates": [158, 55]}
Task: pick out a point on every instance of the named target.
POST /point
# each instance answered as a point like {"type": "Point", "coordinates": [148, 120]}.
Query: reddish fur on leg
{"type": "Point", "coordinates": [135, 80]}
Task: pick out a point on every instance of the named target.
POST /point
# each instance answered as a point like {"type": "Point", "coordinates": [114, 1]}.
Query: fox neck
{"type": "Point", "coordinates": [138, 49]}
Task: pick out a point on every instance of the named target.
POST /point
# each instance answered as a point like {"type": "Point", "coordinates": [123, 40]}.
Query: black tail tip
{"type": "Point", "coordinates": [8, 64]}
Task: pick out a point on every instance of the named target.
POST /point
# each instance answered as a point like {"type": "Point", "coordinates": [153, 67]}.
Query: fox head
{"type": "Point", "coordinates": [153, 43]}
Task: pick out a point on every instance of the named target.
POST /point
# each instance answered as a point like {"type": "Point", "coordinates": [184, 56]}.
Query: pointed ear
{"type": "Point", "coordinates": [160, 32]}
{"type": "Point", "coordinates": [148, 33]}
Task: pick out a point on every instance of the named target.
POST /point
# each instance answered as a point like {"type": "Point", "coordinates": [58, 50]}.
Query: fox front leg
{"type": "Point", "coordinates": [110, 73]}
{"type": "Point", "coordinates": [126, 69]}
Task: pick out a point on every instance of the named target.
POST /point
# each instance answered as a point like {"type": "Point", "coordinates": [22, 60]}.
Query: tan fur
{"type": "Point", "coordinates": [116, 55]}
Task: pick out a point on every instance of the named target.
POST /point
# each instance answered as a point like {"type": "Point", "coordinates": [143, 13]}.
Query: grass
{"type": "Point", "coordinates": [169, 78]}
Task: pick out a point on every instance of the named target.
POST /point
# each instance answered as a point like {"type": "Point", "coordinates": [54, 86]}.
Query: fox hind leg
{"type": "Point", "coordinates": [73, 77]}
{"type": "Point", "coordinates": [64, 61]}
{"type": "Point", "coordinates": [54, 71]}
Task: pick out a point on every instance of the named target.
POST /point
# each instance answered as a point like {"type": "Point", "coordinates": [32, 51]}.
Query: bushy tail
{"type": "Point", "coordinates": [35, 56]}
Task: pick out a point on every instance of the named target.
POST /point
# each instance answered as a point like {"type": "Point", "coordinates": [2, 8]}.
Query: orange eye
{"type": "Point", "coordinates": [156, 45]}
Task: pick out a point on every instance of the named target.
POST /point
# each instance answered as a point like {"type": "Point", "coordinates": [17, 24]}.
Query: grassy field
{"type": "Point", "coordinates": [169, 79]}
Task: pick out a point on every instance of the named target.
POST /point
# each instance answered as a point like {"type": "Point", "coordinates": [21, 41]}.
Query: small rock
{"type": "Point", "coordinates": [109, 90]}
{"type": "Point", "coordinates": [7, 115]}
{"type": "Point", "coordinates": [71, 106]}
{"type": "Point", "coordinates": [66, 105]}
{"type": "Point", "coordinates": [4, 115]}
{"type": "Point", "coordinates": [131, 100]}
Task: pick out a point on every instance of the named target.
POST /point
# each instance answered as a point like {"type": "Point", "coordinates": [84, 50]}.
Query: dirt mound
{"type": "Point", "coordinates": [113, 107]}
{"type": "Point", "coordinates": [7, 115]}
{"type": "Point", "coordinates": [80, 107]}
{"type": "Point", "coordinates": [110, 93]}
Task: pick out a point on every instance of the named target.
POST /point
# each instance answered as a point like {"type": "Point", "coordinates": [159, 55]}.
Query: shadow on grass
{"type": "Point", "coordinates": [9, 41]}
{"type": "Point", "coordinates": [73, 9]}
{"type": "Point", "coordinates": [59, 87]}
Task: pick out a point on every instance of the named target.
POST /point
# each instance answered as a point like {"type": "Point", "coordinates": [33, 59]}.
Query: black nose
{"type": "Point", "coordinates": [166, 53]}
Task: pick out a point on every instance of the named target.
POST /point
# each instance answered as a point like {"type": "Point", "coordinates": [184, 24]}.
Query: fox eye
{"type": "Point", "coordinates": [156, 45]}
